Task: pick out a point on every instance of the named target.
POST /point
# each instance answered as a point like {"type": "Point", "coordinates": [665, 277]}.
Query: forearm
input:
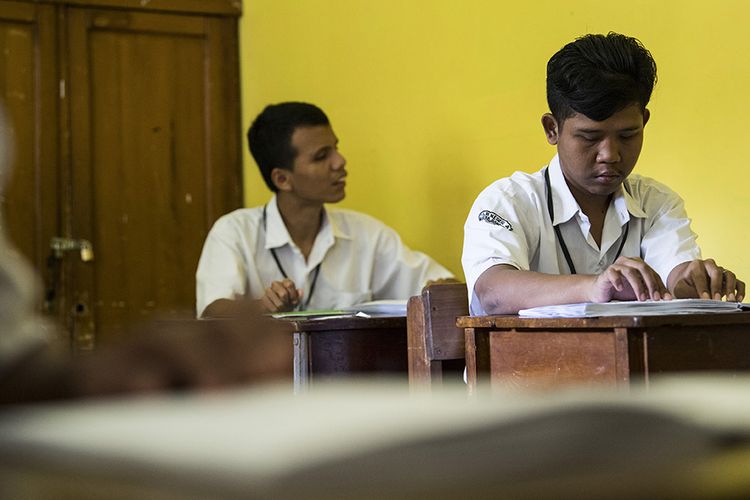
{"type": "Point", "coordinates": [504, 289]}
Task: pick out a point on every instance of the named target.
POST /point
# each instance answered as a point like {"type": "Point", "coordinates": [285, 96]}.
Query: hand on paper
{"type": "Point", "coordinates": [705, 279]}
{"type": "Point", "coordinates": [629, 278]}
{"type": "Point", "coordinates": [281, 296]}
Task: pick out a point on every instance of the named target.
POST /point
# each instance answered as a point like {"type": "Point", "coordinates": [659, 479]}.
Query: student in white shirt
{"type": "Point", "coordinates": [294, 252]}
{"type": "Point", "coordinates": [583, 229]}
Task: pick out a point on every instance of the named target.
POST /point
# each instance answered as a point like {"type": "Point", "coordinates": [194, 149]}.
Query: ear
{"type": "Point", "coordinates": [646, 116]}
{"type": "Point", "coordinates": [551, 131]}
{"type": "Point", "coordinates": [282, 179]}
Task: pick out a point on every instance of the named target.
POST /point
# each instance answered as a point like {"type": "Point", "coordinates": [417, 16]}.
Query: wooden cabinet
{"type": "Point", "coordinates": [126, 120]}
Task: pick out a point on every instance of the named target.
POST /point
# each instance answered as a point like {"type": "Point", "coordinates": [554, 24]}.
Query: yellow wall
{"type": "Point", "coordinates": [434, 99]}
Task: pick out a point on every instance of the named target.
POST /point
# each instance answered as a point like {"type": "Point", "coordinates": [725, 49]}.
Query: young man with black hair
{"type": "Point", "coordinates": [293, 252]}
{"type": "Point", "coordinates": [583, 229]}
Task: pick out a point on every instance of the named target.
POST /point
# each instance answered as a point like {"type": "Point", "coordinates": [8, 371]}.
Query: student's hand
{"type": "Point", "coordinates": [281, 296]}
{"type": "Point", "coordinates": [629, 278]}
{"type": "Point", "coordinates": [706, 280]}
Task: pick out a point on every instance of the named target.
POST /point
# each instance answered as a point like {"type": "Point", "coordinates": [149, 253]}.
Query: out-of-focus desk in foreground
{"type": "Point", "coordinates": [681, 439]}
{"type": "Point", "coordinates": [514, 352]}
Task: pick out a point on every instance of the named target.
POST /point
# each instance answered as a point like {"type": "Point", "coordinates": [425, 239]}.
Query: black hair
{"type": "Point", "coordinates": [599, 75]}
{"type": "Point", "coordinates": [270, 135]}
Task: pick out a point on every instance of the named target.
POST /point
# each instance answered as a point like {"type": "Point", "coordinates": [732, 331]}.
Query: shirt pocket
{"type": "Point", "coordinates": [346, 299]}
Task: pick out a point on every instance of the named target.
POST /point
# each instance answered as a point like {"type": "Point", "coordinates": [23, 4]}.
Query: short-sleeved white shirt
{"type": "Point", "coordinates": [360, 259]}
{"type": "Point", "coordinates": [520, 233]}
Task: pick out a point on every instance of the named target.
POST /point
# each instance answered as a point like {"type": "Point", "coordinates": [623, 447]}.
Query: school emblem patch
{"type": "Point", "coordinates": [493, 218]}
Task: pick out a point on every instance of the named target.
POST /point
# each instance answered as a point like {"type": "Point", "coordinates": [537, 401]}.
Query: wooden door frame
{"type": "Point", "coordinates": [223, 143]}
{"type": "Point", "coordinates": [45, 170]}
{"type": "Point", "coordinates": [232, 8]}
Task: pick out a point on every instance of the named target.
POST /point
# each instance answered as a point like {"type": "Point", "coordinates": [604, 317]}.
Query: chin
{"type": "Point", "coordinates": [337, 198]}
{"type": "Point", "coordinates": [604, 190]}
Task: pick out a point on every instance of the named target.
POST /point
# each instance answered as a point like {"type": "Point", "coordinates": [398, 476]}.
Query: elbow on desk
{"type": "Point", "coordinates": [493, 302]}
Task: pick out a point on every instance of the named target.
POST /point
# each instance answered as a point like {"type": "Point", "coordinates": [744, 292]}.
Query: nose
{"type": "Point", "coordinates": [339, 161]}
{"type": "Point", "coordinates": [609, 151]}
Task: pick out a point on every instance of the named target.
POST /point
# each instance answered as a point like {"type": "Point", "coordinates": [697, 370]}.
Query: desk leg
{"type": "Point", "coordinates": [301, 362]}
{"type": "Point", "coordinates": [471, 361]}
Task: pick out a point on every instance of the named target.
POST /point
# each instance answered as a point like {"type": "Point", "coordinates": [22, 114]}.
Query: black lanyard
{"type": "Point", "coordinates": [283, 273]}
{"type": "Point", "coordinates": [563, 246]}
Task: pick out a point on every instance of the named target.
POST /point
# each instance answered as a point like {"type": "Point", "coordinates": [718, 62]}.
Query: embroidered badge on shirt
{"type": "Point", "coordinates": [495, 219]}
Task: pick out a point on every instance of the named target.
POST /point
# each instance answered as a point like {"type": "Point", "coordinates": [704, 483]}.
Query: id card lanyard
{"type": "Point", "coordinates": [283, 273]}
{"type": "Point", "coordinates": [558, 233]}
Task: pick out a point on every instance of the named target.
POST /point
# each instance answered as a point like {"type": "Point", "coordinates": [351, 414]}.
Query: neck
{"type": "Point", "coordinates": [595, 208]}
{"type": "Point", "coordinates": [302, 220]}
{"type": "Point", "coordinates": [592, 205]}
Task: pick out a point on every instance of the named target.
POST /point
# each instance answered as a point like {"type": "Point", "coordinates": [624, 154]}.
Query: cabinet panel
{"type": "Point", "coordinates": [155, 158]}
{"type": "Point", "coordinates": [29, 95]}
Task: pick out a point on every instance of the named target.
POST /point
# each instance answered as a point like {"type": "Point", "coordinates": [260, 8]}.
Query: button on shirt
{"type": "Point", "coordinates": [520, 233]}
{"type": "Point", "coordinates": [360, 259]}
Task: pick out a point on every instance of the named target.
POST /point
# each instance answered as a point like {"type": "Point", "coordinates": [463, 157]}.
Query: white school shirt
{"type": "Point", "coordinates": [360, 259]}
{"type": "Point", "coordinates": [520, 233]}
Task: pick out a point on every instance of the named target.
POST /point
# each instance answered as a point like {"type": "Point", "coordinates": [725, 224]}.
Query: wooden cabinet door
{"type": "Point", "coordinates": [154, 159]}
{"type": "Point", "coordinates": [29, 87]}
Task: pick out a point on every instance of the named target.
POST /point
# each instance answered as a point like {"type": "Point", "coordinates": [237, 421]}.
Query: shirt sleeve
{"type": "Point", "coordinates": [400, 272]}
{"type": "Point", "coordinates": [498, 230]}
{"type": "Point", "coordinates": [668, 239]}
{"type": "Point", "coordinates": [222, 268]}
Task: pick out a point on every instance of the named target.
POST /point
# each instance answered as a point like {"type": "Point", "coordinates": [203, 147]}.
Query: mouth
{"type": "Point", "coordinates": [608, 177]}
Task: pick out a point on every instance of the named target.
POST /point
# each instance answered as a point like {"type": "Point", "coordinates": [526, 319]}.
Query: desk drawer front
{"type": "Point", "coordinates": [541, 360]}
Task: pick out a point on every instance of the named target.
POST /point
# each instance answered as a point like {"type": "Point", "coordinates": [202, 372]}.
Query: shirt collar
{"type": "Point", "coordinates": [563, 202]}
{"type": "Point", "coordinates": [277, 234]}
{"type": "Point", "coordinates": [631, 205]}
{"type": "Point", "coordinates": [338, 229]}
{"type": "Point", "coordinates": [566, 206]}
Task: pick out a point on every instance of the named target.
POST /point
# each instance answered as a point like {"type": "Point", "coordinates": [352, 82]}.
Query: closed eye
{"type": "Point", "coordinates": [588, 137]}
{"type": "Point", "coordinates": [322, 154]}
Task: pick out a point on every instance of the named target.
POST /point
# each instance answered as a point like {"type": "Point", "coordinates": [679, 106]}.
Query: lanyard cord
{"type": "Point", "coordinates": [283, 273]}
{"type": "Point", "coordinates": [558, 233]}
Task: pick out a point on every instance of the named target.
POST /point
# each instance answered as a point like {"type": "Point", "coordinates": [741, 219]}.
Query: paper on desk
{"type": "Point", "coordinates": [380, 307]}
{"type": "Point", "coordinates": [363, 310]}
{"type": "Point", "coordinates": [313, 313]}
{"type": "Point", "coordinates": [633, 308]}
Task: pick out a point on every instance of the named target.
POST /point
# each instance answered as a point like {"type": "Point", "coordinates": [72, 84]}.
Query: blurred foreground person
{"type": "Point", "coordinates": [34, 366]}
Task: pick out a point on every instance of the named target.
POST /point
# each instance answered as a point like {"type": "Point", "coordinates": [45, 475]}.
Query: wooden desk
{"type": "Point", "coordinates": [513, 352]}
{"type": "Point", "coordinates": [327, 347]}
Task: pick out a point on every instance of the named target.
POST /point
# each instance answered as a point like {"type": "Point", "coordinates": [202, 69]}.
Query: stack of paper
{"type": "Point", "coordinates": [363, 310]}
{"type": "Point", "coordinates": [381, 307]}
{"type": "Point", "coordinates": [634, 308]}
{"type": "Point", "coordinates": [312, 314]}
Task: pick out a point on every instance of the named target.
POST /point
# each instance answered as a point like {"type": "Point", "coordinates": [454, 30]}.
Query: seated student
{"type": "Point", "coordinates": [293, 252]}
{"type": "Point", "coordinates": [583, 229]}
